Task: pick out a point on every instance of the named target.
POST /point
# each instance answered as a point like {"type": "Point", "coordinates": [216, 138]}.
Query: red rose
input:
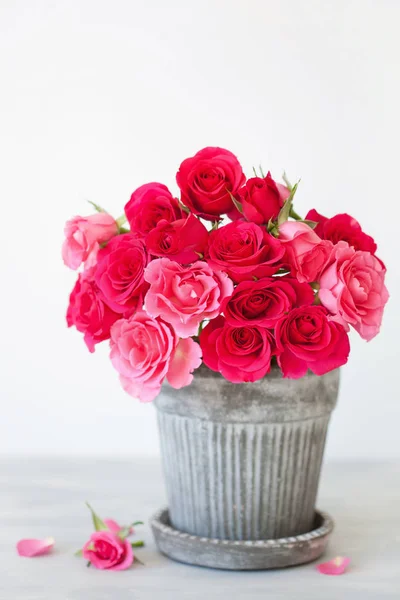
{"type": "Point", "coordinates": [342, 227]}
{"type": "Point", "coordinates": [120, 273]}
{"type": "Point", "coordinates": [207, 181]}
{"type": "Point", "coordinates": [244, 250]}
{"type": "Point", "coordinates": [183, 240]}
{"type": "Point", "coordinates": [262, 199]}
{"type": "Point", "coordinates": [240, 354]}
{"type": "Point", "coordinates": [265, 301]}
{"type": "Point", "coordinates": [88, 312]}
{"type": "Point", "coordinates": [306, 339]}
{"type": "Point", "coordinates": [149, 204]}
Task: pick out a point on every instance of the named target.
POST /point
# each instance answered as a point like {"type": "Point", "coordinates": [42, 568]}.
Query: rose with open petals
{"type": "Point", "coordinates": [182, 240]}
{"type": "Point", "coordinates": [307, 339]}
{"type": "Point", "coordinates": [88, 312]}
{"type": "Point", "coordinates": [265, 301]}
{"type": "Point", "coordinates": [240, 354]}
{"type": "Point", "coordinates": [306, 253]}
{"type": "Point", "coordinates": [262, 199]}
{"type": "Point", "coordinates": [84, 236]}
{"type": "Point", "coordinates": [184, 296]}
{"type": "Point", "coordinates": [145, 351]}
{"type": "Point", "coordinates": [352, 287]}
{"type": "Point", "coordinates": [244, 251]}
{"type": "Point", "coordinates": [150, 204]}
{"type": "Point", "coordinates": [208, 180]}
{"type": "Point", "coordinates": [120, 273]}
{"type": "Point", "coordinates": [106, 550]}
{"type": "Point", "coordinates": [342, 227]}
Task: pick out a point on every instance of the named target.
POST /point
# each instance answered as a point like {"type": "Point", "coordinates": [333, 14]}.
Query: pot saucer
{"type": "Point", "coordinates": [241, 555]}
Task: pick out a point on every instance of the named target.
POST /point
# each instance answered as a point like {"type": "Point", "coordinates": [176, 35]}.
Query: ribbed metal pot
{"type": "Point", "coordinates": [242, 461]}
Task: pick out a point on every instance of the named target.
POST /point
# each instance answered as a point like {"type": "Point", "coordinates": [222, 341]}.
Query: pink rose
{"type": "Point", "coordinates": [120, 273]}
{"type": "Point", "coordinates": [207, 181]}
{"type": "Point", "coordinates": [352, 287]}
{"type": "Point", "coordinates": [88, 312]}
{"type": "Point", "coordinates": [106, 550]}
{"type": "Point", "coordinates": [307, 339]}
{"type": "Point", "coordinates": [265, 301]}
{"type": "Point", "coordinates": [145, 351]}
{"type": "Point", "coordinates": [244, 250]}
{"type": "Point", "coordinates": [240, 354]}
{"type": "Point", "coordinates": [181, 240]}
{"type": "Point", "coordinates": [184, 296]}
{"type": "Point", "coordinates": [306, 253]}
{"type": "Point", "coordinates": [150, 204]}
{"type": "Point", "coordinates": [84, 236]}
{"type": "Point", "coordinates": [262, 199]}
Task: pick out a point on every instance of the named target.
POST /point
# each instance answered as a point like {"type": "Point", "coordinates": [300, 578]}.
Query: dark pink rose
{"type": "Point", "coordinates": [183, 240]}
{"type": "Point", "coordinates": [185, 296]}
{"type": "Point", "coordinates": [207, 181]}
{"type": "Point", "coordinates": [342, 227]}
{"type": "Point", "coordinates": [88, 312]}
{"type": "Point", "coordinates": [352, 287]}
{"type": "Point", "coordinates": [307, 339]}
{"type": "Point", "coordinates": [306, 253]}
{"type": "Point", "coordinates": [84, 236]}
{"type": "Point", "coordinates": [106, 550]}
{"type": "Point", "coordinates": [150, 204]}
{"type": "Point", "coordinates": [240, 354]}
{"type": "Point", "coordinates": [244, 250]}
{"type": "Point", "coordinates": [265, 301]}
{"type": "Point", "coordinates": [145, 351]}
{"type": "Point", "coordinates": [262, 199]}
{"type": "Point", "coordinates": [120, 273]}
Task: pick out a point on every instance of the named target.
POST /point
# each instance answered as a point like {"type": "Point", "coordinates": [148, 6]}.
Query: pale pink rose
{"type": "Point", "coordinates": [84, 236]}
{"type": "Point", "coordinates": [306, 253]}
{"type": "Point", "coordinates": [106, 550]}
{"type": "Point", "coordinates": [352, 287]}
{"type": "Point", "coordinates": [184, 296]}
{"type": "Point", "coordinates": [145, 351]}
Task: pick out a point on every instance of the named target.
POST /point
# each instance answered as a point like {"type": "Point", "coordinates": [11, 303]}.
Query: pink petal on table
{"type": "Point", "coordinates": [35, 547]}
{"type": "Point", "coordinates": [336, 566]}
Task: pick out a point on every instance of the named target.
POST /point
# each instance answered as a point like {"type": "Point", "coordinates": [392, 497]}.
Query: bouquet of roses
{"type": "Point", "coordinates": [183, 285]}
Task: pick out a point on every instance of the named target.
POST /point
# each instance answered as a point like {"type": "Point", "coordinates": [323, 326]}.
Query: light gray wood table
{"type": "Point", "coordinates": [45, 497]}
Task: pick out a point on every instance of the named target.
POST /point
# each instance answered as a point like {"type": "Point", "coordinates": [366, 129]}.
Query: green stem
{"type": "Point", "coordinates": [137, 544]}
{"type": "Point", "coordinates": [294, 215]}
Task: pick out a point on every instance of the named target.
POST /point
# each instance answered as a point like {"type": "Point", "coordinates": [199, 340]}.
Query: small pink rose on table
{"type": "Point", "coordinates": [336, 566]}
{"type": "Point", "coordinates": [108, 548]}
{"type": "Point", "coordinates": [34, 547]}
{"type": "Point", "coordinates": [84, 236]}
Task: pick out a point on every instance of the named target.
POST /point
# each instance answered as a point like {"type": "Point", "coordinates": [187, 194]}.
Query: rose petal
{"type": "Point", "coordinates": [336, 566]}
{"type": "Point", "coordinates": [35, 547]}
{"type": "Point", "coordinates": [112, 525]}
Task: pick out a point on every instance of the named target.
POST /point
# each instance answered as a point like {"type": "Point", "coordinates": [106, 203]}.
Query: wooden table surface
{"type": "Point", "coordinates": [46, 497]}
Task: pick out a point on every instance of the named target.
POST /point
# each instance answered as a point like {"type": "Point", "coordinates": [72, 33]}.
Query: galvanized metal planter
{"type": "Point", "coordinates": [242, 461]}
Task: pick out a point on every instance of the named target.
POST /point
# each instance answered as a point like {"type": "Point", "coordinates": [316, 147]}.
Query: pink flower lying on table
{"type": "Point", "coordinates": [33, 547]}
{"type": "Point", "coordinates": [336, 566]}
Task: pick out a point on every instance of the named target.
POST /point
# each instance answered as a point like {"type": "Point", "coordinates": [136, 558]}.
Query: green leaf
{"type": "Point", "coordinates": [255, 172]}
{"type": "Point", "coordinates": [78, 553]}
{"type": "Point", "coordinates": [137, 544]}
{"type": "Point", "coordinates": [121, 221]}
{"type": "Point", "coordinates": [287, 207]}
{"type": "Point", "coordinates": [311, 224]}
{"type": "Point", "coordinates": [97, 207]}
{"type": "Point", "coordinates": [236, 202]}
{"type": "Point", "coordinates": [261, 171]}
{"type": "Point", "coordinates": [287, 182]}
{"type": "Point", "coordinates": [98, 524]}
{"type": "Point", "coordinates": [138, 561]}
{"type": "Point", "coordinates": [183, 207]}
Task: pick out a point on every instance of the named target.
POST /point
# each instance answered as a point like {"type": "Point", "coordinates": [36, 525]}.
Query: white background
{"type": "Point", "coordinates": [98, 97]}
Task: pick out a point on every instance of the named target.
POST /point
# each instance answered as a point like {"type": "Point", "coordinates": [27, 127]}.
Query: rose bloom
{"type": "Point", "coordinates": [342, 227]}
{"type": "Point", "coordinates": [88, 312]}
{"type": "Point", "coordinates": [207, 181]}
{"type": "Point", "coordinates": [352, 287]}
{"type": "Point", "coordinates": [184, 296]}
{"type": "Point", "coordinates": [120, 273]}
{"type": "Point", "coordinates": [182, 240]}
{"type": "Point", "coordinates": [306, 253]}
{"type": "Point", "coordinates": [240, 354]}
{"type": "Point", "coordinates": [265, 301]}
{"type": "Point", "coordinates": [150, 204]}
{"type": "Point", "coordinates": [84, 236]}
{"type": "Point", "coordinates": [244, 250]}
{"type": "Point", "coordinates": [106, 550]}
{"type": "Point", "coordinates": [262, 199]}
{"type": "Point", "coordinates": [145, 351]}
{"type": "Point", "coordinates": [307, 339]}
